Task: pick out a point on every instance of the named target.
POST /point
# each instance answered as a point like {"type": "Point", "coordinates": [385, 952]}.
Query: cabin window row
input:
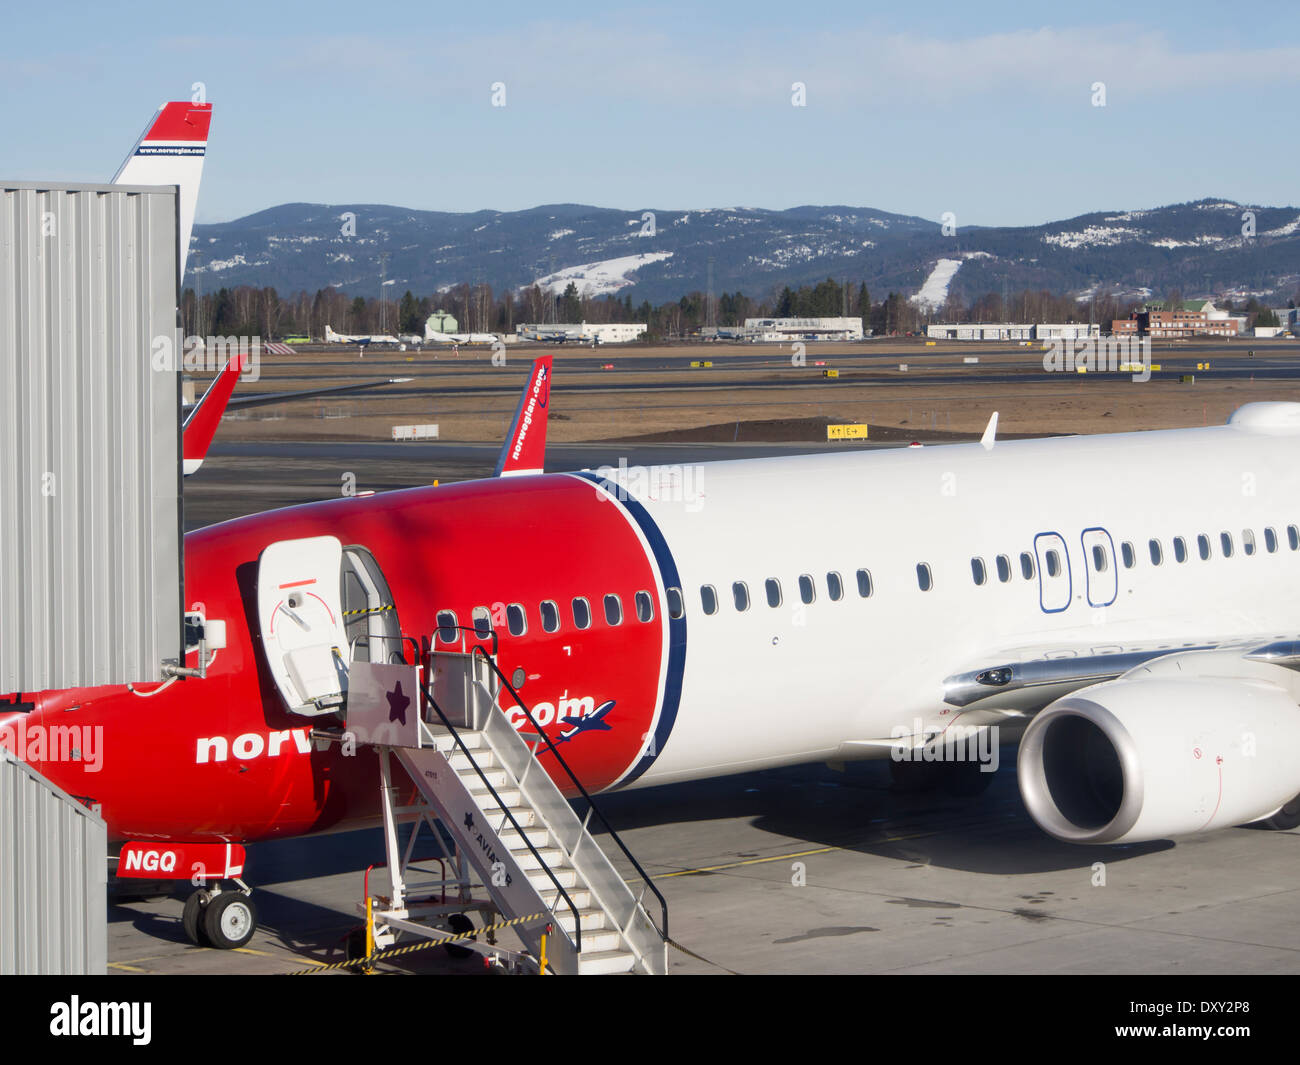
{"type": "Point", "coordinates": [1204, 546]}
{"type": "Point", "coordinates": [515, 616]}
{"type": "Point", "coordinates": [805, 590]}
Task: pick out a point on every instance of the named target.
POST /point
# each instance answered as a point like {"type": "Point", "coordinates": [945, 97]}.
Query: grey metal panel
{"type": "Point", "coordinates": [90, 518]}
{"type": "Point", "coordinates": [53, 878]}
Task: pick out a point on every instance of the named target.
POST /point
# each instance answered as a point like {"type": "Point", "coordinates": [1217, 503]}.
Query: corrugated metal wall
{"type": "Point", "coordinates": [53, 878]}
{"type": "Point", "coordinates": [90, 522]}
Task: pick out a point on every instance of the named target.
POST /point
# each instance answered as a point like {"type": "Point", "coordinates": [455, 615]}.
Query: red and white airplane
{"type": "Point", "coordinates": [1125, 600]}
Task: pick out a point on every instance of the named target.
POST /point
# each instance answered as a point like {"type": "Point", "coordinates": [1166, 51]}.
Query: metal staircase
{"type": "Point", "coordinates": [481, 779]}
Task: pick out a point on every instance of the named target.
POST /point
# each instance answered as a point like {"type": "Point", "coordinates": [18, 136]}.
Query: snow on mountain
{"type": "Point", "coordinates": [602, 278]}
{"type": "Point", "coordinates": [934, 292]}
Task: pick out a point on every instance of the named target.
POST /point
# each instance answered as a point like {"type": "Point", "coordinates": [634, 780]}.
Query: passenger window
{"type": "Point", "coordinates": [581, 613]}
{"type": "Point", "coordinates": [1248, 541]}
{"type": "Point", "coordinates": [1004, 568]}
{"type": "Point", "coordinates": [516, 619]}
{"type": "Point", "coordinates": [923, 579]}
{"type": "Point", "coordinates": [1180, 549]}
{"type": "Point", "coordinates": [550, 612]}
{"type": "Point", "coordinates": [645, 607]}
{"type": "Point", "coordinates": [1027, 565]}
{"type": "Point", "coordinates": [773, 588]}
{"type": "Point", "coordinates": [1128, 555]}
{"type": "Point", "coordinates": [1203, 547]}
{"type": "Point", "coordinates": [482, 622]}
{"type": "Point", "coordinates": [977, 571]}
{"type": "Point", "coordinates": [740, 595]}
{"type": "Point", "coordinates": [447, 630]}
{"type": "Point", "coordinates": [613, 610]}
{"type": "Point", "coordinates": [1053, 561]}
{"type": "Point", "coordinates": [807, 593]}
{"type": "Point", "coordinates": [865, 586]}
{"type": "Point", "coordinates": [676, 604]}
{"type": "Point", "coordinates": [709, 599]}
{"type": "Point", "coordinates": [1100, 560]}
{"type": "Point", "coordinates": [1270, 540]}
{"type": "Point", "coordinates": [1293, 537]}
{"type": "Point", "coordinates": [1157, 552]}
{"type": "Point", "coordinates": [834, 586]}
{"type": "Point", "coordinates": [1225, 541]}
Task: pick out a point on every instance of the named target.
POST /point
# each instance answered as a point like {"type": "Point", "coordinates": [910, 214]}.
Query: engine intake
{"type": "Point", "coordinates": [1153, 757]}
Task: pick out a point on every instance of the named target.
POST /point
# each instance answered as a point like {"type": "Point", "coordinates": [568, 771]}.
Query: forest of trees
{"type": "Point", "coordinates": [249, 311]}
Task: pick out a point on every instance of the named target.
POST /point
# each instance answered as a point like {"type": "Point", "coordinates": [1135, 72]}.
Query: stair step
{"type": "Point", "coordinates": [474, 782]}
{"type": "Point", "coordinates": [537, 835]}
{"type": "Point", "coordinates": [605, 962]}
{"type": "Point", "coordinates": [524, 816]}
{"type": "Point", "coordinates": [473, 740]}
{"type": "Point", "coordinates": [567, 878]}
{"type": "Point", "coordinates": [552, 856]}
{"type": "Point", "coordinates": [593, 919]}
{"type": "Point", "coordinates": [485, 801]}
{"type": "Point", "coordinates": [460, 762]}
{"type": "Point", "coordinates": [581, 898]}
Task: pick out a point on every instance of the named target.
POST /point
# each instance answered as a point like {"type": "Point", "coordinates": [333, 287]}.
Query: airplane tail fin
{"type": "Point", "coordinates": [201, 424]}
{"type": "Point", "coordinates": [524, 451]}
{"type": "Point", "coordinates": [170, 152]}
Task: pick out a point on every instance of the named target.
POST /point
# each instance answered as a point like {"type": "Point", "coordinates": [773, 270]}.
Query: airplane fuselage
{"type": "Point", "coordinates": [877, 558]}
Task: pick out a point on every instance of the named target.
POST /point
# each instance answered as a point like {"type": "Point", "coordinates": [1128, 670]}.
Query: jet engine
{"type": "Point", "coordinates": [1162, 752]}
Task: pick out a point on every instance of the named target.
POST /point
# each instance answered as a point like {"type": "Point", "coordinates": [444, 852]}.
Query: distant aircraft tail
{"type": "Point", "coordinates": [201, 424]}
{"type": "Point", "coordinates": [170, 152]}
{"type": "Point", "coordinates": [524, 451]}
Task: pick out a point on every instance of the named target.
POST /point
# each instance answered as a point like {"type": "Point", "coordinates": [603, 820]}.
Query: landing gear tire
{"type": "Point", "coordinates": [1286, 818]}
{"type": "Point", "coordinates": [459, 924]}
{"type": "Point", "coordinates": [965, 780]}
{"type": "Point", "coordinates": [192, 918]}
{"type": "Point", "coordinates": [230, 920]}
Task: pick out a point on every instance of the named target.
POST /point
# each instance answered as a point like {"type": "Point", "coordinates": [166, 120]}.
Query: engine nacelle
{"type": "Point", "coordinates": [1149, 756]}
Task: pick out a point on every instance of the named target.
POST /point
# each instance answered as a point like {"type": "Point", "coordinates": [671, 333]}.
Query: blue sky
{"type": "Point", "coordinates": [913, 108]}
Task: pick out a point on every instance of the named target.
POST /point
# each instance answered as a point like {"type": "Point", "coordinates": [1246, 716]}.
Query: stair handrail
{"type": "Point", "coordinates": [591, 803]}
{"type": "Point", "coordinates": [577, 919]}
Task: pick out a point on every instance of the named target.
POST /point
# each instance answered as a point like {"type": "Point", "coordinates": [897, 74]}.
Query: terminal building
{"type": "Point", "coordinates": [784, 330]}
{"type": "Point", "coordinates": [583, 332]}
{"type": "Point", "coordinates": [1190, 318]}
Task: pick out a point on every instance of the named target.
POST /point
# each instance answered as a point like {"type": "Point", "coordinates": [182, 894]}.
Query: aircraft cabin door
{"type": "Point", "coordinates": [1055, 586]}
{"type": "Point", "coordinates": [301, 617]}
{"type": "Point", "coordinates": [1099, 565]}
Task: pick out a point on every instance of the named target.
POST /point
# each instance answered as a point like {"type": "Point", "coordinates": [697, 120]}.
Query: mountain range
{"type": "Point", "coordinates": [1207, 247]}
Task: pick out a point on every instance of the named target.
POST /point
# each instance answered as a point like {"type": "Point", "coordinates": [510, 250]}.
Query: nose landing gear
{"type": "Point", "coordinates": [221, 919]}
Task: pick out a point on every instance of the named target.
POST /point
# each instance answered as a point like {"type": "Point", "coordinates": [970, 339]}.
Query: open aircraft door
{"type": "Point", "coordinates": [300, 612]}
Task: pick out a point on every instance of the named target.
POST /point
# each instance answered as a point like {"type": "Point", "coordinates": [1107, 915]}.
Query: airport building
{"type": "Point", "coordinates": [784, 330]}
{"type": "Point", "coordinates": [1193, 318]}
{"type": "Point", "coordinates": [1013, 331]}
{"type": "Point", "coordinates": [583, 332]}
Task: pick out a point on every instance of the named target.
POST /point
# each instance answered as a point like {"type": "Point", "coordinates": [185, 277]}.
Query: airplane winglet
{"type": "Point", "coordinates": [990, 432]}
{"type": "Point", "coordinates": [170, 152]}
{"type": "Point", "coordinates": [201, 424]}
{"type": "Point", "coordinates": [524, 451]}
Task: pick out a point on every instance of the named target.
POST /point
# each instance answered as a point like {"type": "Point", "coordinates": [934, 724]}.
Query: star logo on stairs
{"type": "Point", "coordinates": [397, 704]}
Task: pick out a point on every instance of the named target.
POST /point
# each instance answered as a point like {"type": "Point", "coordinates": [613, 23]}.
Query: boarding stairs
{"type": "Point", "coordinates": [485, 783]}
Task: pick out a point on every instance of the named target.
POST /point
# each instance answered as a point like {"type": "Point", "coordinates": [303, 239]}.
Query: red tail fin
{"type": "Point", "coordinates": [524, 451]}
{"type": "Point", "coordinates": [201, 424]}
